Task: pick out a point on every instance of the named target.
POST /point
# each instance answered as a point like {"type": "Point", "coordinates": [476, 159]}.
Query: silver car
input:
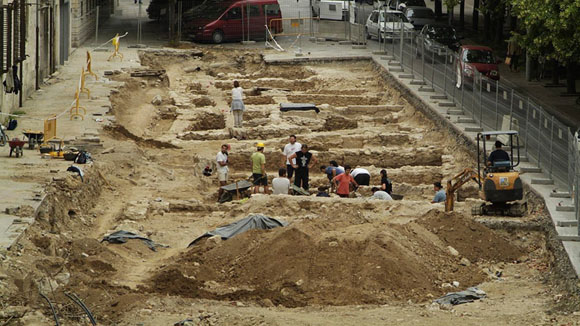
{"type": "Point", "coordinates": [389, 24]}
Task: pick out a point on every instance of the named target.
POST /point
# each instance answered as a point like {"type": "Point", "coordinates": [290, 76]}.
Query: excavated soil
{"type": "Point", "coordinates": [312, 262]}
{"type": "Point", "coordinates": [340, 261]}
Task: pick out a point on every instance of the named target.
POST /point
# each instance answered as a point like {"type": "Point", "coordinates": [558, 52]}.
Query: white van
{"type": "Point", "coordinates": [331, 9]}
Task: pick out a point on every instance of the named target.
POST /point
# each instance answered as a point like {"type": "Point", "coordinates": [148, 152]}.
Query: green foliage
{"type": "Point", "coordinates": [552, 28]}
{"type": "Point", "coordinates": [451, 3]}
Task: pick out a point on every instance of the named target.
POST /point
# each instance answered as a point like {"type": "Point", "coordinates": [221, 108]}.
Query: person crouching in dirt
{"type": "Point", "coordinates": [343, 181]}
{"type": "Point", "coordinates": [386, 184]}
{"type": "Point", "coordinates": [439, 193]}
{"type": "Point", "coordinates": [259, 169]}
{"type": "Point", "coordinates": [238, 107]}
{"type": "Point", "coordinates": [222, 168]}
{"type": "Point", "coordinates": [304, 162]}
{"type": "Point", "coordinates": [380, 194]}
{"type": "Point", "coordinates": [362, 176]}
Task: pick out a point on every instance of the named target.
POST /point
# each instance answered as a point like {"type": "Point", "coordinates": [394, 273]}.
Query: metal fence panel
{"type": "Point", "coordinates": [495, 105]}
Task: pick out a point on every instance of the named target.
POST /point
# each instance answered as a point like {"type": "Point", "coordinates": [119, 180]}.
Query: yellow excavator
{"type": "Point", "coordinates": [499, 184]}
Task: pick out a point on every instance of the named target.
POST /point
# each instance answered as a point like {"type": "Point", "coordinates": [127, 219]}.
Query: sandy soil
{"type": "Point", "coordinates": [339, 262]}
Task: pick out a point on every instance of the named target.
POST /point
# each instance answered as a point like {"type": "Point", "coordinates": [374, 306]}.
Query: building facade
{"type": "Point", "coordinates": [34, 40]}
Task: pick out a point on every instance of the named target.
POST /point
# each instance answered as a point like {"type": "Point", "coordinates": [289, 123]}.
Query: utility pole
{"type": "Point", "coordinates": [438, 8]}
{"type": "Point", "coordinates": [475, 15]}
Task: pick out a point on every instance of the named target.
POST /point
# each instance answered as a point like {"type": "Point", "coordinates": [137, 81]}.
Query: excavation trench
{"type": "Point", "coordinates": [335, 251]}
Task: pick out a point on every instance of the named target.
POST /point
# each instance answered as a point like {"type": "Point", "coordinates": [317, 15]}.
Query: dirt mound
{"type": "Point", "coordinates": [307, 263]}
{"type": "Point", "coordinates": [473, 240]}
{"type": "Point", "coordinates": [339, 123]}
{"type": "Point", "coordinates": [203, 101]}
{"type": "Point", "coordinates": [334, 100]}
{"type": "Point", "coordinates": [117, 130]}
{"type": "Point", "coordinates": [258, 100]}
{"type": "Point", "coordinates": [206, 120]}
{"type": "Point", "coordinates": [196, 88]}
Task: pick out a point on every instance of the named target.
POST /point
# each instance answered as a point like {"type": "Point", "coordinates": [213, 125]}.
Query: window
{"type": "Point", "coordinates": [418, 13]}
{"type": "Point", "coordinates": [374, 17]}
{"type": "Point", "coordinates": [332, 7]}
{"type": "Point", "coordinates": [12, 34]}
{"type": "Point", "coordinates": [478, 56]}
{"type": "Point", "coordinates": [234, 13]}
{"type": "Point", "coordinates": [253, 9]}
{"type": "Point", "coordinates": [272, 10]}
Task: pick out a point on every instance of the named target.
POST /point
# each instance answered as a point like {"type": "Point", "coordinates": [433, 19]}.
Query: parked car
{"type": "Point", "coordinates": [419, 16]}
{"type": "Point", "coordinates": [396, 4]}
{"type": "Point", "coordinates": [389, 24]}
{"type": "Point", "coordinates": [436, 38]}
{"type": "Point", "coordinates": [218, 24]}
{"type": "Point", "coordinates": [472, 58]}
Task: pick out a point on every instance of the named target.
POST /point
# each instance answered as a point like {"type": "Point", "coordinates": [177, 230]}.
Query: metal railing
{"type": "Point", "coordinates": [294, 26]}
{"type": "Point", "coordinates": [492, 104]}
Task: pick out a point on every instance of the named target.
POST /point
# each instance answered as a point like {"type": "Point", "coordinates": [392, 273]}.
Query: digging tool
{"type": "Point", "coordinates": [254, 182]}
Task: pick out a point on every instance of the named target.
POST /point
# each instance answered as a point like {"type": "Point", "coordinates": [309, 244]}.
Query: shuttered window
{"type": "Point", "coordinates": [12, 34]}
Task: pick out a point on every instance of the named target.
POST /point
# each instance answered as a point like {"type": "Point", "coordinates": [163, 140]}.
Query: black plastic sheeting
{"type": "Point", "coordinates": [455, 298]}
{"type": "Point", "coordinates": [285, 107]}
{"type": "Point", "coordinates": [122, 237]}
{"type": "Point", "coordinates": [252, 221]}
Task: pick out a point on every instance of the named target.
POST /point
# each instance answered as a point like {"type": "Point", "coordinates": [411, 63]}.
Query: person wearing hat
{"type": "Point", "coordinates": [259, 169]}
{"type": "Point", "coordinates": [498, 155]}
{"type": "Point", "coordinates": [440, 195]}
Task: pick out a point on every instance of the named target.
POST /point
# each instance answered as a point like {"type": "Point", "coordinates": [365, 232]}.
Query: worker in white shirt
{"type": "Point", "coordinates": [281, 184]}
{"type": "Point", "coordinates": [222, 168]}
{"type": "Point", "coordinates": [292, 147]}
{"type": "Point", "coordinates": [361, 176]}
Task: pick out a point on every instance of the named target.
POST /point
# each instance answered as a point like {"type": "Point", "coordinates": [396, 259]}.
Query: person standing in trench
{"type": "Point", "coordinates": [238, 107]}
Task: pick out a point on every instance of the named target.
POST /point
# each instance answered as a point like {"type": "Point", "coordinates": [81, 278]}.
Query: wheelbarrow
{"type": "Point", "coordinates": [238, 190]}
{"type": "Point", "coordinates": [16, 145]}
{"type": "Point", "coordinates": [34, 137]}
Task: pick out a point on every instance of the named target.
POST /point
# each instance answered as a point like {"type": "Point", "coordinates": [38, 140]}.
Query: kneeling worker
{"type": "Point", "coordinates": [281, 184]}
{"type": "Point", "coordinates": [439, 193]}
{"type": "Point", "coordinates": [380, 194]}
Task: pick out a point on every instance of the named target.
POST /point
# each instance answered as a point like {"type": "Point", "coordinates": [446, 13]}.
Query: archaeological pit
{"type": "Point", "coordinates": [339, 261]}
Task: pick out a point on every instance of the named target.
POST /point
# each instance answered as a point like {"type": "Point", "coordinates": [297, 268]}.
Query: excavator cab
{"type": "Point", "coordinates": [500, 183]}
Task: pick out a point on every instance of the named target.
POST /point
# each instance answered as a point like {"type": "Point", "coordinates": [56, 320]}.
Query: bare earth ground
{"type": "Point", "coordinates": [339, 262]}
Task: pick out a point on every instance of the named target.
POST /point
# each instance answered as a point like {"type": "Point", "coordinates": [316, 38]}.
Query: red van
{"type": "Point", "coordinates": [222, 21]}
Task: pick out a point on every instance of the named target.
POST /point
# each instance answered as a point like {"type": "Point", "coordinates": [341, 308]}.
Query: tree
{"type": "Point", "coordinates": [450, 4]}
{"type": "Point", "coordinates": [494, 16]}
{"type": "Point", "coordinates": [552, 30]}
{"type": "Point", "coordinates": [475, 15]}
{"type": "Point", "coordinates": [438, 10]}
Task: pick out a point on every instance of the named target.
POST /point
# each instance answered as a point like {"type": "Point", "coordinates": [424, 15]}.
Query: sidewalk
{"type": "Point", "coordinates": [563, 108]}
{"type": "Point", "coordinates": [23, 179]}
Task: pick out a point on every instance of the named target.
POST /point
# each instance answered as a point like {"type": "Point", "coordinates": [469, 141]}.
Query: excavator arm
{"type": "Point", "coordinates": [456, 182]}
